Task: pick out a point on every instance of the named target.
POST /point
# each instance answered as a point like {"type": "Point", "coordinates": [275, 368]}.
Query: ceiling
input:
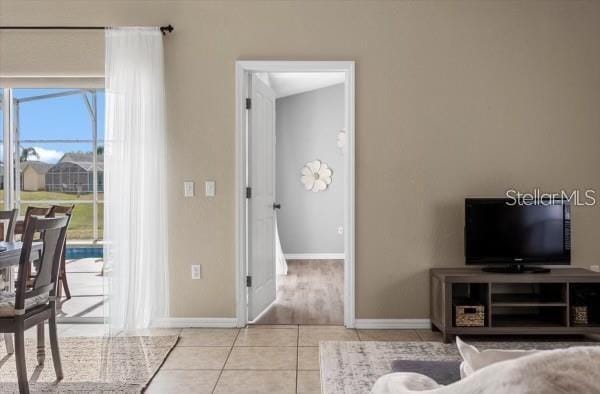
{"type": "Point", "coordinates": [286, 84]}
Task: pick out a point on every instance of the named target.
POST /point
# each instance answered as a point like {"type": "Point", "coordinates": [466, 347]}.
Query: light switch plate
{"type": "Point", "coordinates": [188, 189]}
{"type": "Point", "coordinates": [196, 271]}
{"type": "Point", "coordinates": [210, 188]}
{"type": "Point", "coordinates": [340, 230]}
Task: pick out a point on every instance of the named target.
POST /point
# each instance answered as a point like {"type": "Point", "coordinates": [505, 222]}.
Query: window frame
{"type": "Point", "coordinates": [12, 143]}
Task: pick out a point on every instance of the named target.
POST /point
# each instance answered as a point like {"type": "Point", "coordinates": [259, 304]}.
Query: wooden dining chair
{"type": "Point", "coordinates": [30, 307]}
{"type": "Point", "coordinates": [58, 211]}
{"type": "Point", "coordinates": [19, 229]}
{"type": "Point", "coordinates": [29, 213]}
{"type": "Point", "coordinates": [11, 218]}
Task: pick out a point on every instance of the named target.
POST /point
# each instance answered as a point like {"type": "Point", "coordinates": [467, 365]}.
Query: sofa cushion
{"type": "Point", "coordinates": [7, 303]}
{"type": "Point", "coordinates": [473, 359]}
{"type": "Point", "coordinates": [443, 372]}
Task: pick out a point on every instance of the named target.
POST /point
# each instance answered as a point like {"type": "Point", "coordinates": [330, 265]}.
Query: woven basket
{"type": "Point", "coordinates": [470, 315]}
{"type": "Point", "coordinates": [579, 315]}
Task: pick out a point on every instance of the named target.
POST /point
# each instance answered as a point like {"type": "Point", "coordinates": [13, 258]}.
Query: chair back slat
{"type": "Point", "coordinates": [53, 233]}
{"type": "Point", "coordinates": [52, 245]}
{"type": "Point", "coordinates": [11, 218]}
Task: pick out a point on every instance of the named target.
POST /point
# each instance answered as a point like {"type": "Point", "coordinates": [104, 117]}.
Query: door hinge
{"type": "Point", "coordinates": [248, 103]}
{"type": "Point", "coordinates": [248, 192]}
{"type": "Point", "coordinates": [248, 281]}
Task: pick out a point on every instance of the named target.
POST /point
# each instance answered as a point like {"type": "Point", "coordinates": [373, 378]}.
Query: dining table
{"type": "Point", "coordinates": [10, 255]}
{"type": "Point", "coordinates": [10, 252]}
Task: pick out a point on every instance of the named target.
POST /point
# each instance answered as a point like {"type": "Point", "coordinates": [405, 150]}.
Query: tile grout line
{"type": "Point", "coordinates": [242, 369]}
{"type": "Point", "coordinates": [227, 359]}
{"type": "Point", "coordinates": [288, 346]}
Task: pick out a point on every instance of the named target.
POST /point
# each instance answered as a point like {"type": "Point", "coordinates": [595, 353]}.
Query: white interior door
{"type": "Point", "coordinates": [261, 180]}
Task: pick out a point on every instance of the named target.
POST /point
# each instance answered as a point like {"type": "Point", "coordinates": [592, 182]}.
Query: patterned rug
{"type": "Point", "coordinates": [353, 367]}
{"type": "Point", "coordinates": [91, 365]}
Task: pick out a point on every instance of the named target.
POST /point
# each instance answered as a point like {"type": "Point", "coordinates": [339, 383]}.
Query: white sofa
{"type": "Point", "coordinates": [564, 371]}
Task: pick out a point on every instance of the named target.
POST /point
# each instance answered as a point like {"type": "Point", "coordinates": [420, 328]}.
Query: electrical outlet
{"type": "Point", "coordinates": [595, 268]}
{"type": "Point", "coordinates": [340, 230]}
{"type": "Point", "coordinates": [196, 271]}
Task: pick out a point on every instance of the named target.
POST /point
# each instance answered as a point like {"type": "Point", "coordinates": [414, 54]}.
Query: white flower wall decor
{"type": "Point", "coordinates": [316, 176]}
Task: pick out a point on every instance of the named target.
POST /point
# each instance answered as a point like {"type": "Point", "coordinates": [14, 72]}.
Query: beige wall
{"type": "Point", "coordinates": [454, 99]}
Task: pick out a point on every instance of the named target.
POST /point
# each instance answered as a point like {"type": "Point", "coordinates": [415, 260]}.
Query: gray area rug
{"type": "Point", "coordinates": [353, 367]}
{"type": "Point", "coordinates": [91, 365]}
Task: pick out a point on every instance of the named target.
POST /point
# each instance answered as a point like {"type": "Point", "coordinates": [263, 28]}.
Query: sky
{"type": "Point", "coordinates": [62, 118]}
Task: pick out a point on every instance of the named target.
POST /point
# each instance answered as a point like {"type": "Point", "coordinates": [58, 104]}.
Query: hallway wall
{"type": "Point", "coordinates": [307, 128]}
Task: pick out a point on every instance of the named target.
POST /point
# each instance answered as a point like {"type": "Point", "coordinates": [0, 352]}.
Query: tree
{"type": "Point", "coordinates": [26, 152]}
{"type": "Point", "coordinates": [100, 150]}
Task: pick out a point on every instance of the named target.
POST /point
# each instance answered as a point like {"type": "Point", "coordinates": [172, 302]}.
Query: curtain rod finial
{"type": "Point", "coordinates": [166, 29]}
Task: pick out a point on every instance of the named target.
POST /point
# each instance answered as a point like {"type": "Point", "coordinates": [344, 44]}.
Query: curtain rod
{"type": "Point", "coordinates": [163, 29]}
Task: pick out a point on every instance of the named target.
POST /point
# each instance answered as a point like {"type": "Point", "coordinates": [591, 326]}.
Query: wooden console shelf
{"type": "Point", "coordinates": [516, 304]}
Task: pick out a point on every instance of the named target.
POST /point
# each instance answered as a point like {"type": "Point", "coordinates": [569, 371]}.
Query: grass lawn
{"type": "Point", "coordinates": [81, 226]}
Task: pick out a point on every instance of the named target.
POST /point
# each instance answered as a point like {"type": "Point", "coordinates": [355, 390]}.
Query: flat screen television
{"type": "Point", "coordinates": [509, 236]}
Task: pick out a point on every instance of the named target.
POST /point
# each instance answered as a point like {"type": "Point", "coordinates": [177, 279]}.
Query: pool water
{"type": "Point", "coordinates": [84, 252]}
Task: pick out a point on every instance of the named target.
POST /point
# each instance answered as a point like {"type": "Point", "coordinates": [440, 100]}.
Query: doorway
{"type": "Point", "coordinates": [295, 216]}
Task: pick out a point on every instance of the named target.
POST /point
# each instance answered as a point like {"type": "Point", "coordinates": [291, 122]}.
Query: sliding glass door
{"type": "Point", "coordinates": [53, 155]}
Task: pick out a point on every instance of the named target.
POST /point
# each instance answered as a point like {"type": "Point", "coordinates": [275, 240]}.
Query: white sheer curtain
{"type": "Point", "coordinates": [135, 208]}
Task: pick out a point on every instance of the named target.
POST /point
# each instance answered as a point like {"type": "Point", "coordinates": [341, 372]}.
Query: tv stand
{"type": "Point", "coordinates": [525, 304]}
{"type": "Point", "coordinates": [516, 269]}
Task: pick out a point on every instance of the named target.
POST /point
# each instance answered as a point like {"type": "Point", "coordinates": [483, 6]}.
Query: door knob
{"type": "Point", "coordinates": [276, 206]}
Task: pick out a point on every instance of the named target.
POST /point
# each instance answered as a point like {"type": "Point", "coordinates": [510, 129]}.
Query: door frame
{"type": "Point", "coordinates": [242, 70]}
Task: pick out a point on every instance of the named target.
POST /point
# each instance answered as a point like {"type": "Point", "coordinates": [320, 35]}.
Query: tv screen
{"type": "Point", "coordinates": [499, 231]}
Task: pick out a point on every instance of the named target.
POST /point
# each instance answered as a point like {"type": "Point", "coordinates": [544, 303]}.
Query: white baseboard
{"type": "Point", "coordinates": [389, 324]}
{"type": "Point", "coordinates": [202, 322]}
{"type": "Point", "coordinates": [315, 256]}
{"type": "Point", "coordinates": [80, 320]}
{"type": "Point", "coordinates": [228, 322]}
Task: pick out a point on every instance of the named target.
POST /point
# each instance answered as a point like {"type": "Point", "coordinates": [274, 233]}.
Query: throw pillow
{"type": "Point", "coordinates": [473, 359]}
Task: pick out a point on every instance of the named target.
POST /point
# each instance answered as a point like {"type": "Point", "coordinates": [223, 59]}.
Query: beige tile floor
{"type": "Point", "coordinates": [257, 359]}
